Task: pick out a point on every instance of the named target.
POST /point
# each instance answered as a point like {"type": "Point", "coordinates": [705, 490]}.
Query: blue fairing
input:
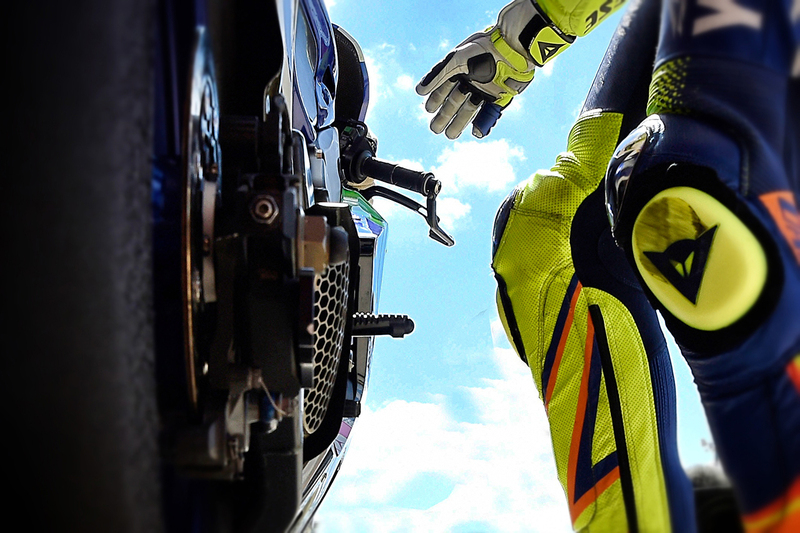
{"type": "Point", "coordinates": [315, 91]}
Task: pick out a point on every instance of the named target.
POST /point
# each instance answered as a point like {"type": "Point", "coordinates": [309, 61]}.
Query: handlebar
{"type": "Point", "coordinates": [423, 183]}
{"type": "Point", "coordinates": [359, 163]}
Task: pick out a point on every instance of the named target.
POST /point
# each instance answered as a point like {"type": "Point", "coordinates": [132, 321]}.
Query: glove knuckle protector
{"type": "Point", "coordinates": [495, 66]}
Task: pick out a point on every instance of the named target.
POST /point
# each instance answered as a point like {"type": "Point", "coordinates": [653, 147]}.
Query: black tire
{"type": "Point", "coordinates": [81, 434]}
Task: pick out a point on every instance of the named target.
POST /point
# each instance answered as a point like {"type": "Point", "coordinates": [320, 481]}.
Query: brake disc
{"type": "Point", "coordinates": [201, 171]}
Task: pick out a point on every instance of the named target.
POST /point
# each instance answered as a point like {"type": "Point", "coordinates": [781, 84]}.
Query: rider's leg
{"type": "Point", "coordinates": [575, 314]}
{"type": "Point", "coordinates": [703, 198]}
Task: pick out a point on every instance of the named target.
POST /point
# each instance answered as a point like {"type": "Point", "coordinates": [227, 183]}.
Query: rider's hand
{"type": "Point", "coordinates": [483, 69]}
{"type": "Point", "coordinates": [478, 79]}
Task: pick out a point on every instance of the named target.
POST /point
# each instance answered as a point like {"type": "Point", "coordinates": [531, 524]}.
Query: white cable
{"type": "Point", "coordinates": [281, 412]}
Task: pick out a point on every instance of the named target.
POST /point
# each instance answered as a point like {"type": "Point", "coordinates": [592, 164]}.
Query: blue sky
{"type": "Point", "coordinates": [453, 436]}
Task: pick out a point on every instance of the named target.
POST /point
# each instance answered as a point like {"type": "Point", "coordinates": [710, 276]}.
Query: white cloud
{"type": "Point", "coordinates": [499, 337]}
{"type": "Point", "coordinates": [375, 82]}
{"type": "Point", "coordinates": [330, 3]}
{"type": "Point", "coordinates": [388, 209]}
{"type": "Point", "coordinates": [483, 164]}
{"type": "Point", "coordinates": [500, 468]}
{"type": "Point", "coordinates": [411, 164]}
{"type": "Point", "coordinates": [377, 88]}
{"type": "Point", "coordinates": [515, 107]}
{"type": "Point", "coordinates": [576, 112]}
{"type": "Point", "coordinates": [405, 82]}
{"type": "Point", "coordinates": [450, 210]}
{"type": "Point", "coordinates": [444, 44]}
{"type": "Point", "coordinates": [422, 115]}
{"type": "Point", "coordinates": [547, 69]}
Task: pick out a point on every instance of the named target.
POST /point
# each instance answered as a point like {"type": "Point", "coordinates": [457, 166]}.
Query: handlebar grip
{"type": "Point", "coordinates": [420, 182]}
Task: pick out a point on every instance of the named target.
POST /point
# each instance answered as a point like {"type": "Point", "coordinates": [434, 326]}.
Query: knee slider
{"type": "Point", "coordinates": [704, 259]}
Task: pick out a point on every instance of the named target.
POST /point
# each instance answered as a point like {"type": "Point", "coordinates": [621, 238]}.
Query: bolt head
{"type": "Point", "coordinates": [264, 209]}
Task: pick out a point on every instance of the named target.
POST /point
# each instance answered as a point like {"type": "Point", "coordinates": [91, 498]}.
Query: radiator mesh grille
{"type": "Point", "coordinates": [330, 310]}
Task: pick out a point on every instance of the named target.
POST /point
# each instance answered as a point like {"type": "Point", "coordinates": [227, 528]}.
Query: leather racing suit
{"type": "Point", "coordinates": [702, 199]}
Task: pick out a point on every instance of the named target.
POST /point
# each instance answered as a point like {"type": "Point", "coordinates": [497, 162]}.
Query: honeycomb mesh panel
{"type": "Point", "coordinates": [330, 306]}
{"type": "Point", "coordinates": [667, 88]}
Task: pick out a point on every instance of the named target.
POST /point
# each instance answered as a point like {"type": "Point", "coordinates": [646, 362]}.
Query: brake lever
{"type": "Point", "coordinates": [359, 163]}
{"type": "Point", "coordinates": [436, 232]}
{"type": "Point", "coordinates": [427, 212]}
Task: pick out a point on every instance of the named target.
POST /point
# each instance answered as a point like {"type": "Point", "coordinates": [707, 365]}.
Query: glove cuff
{"type": "Point", "coordinates": [528, 30]}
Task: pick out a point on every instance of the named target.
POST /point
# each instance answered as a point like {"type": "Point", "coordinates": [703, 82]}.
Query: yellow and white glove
{"type": "Point", "coordinates": [477, 80]}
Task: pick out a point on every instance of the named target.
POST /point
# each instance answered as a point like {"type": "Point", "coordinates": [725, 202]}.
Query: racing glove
{"type": "Point", "coordinates": [477, 80]}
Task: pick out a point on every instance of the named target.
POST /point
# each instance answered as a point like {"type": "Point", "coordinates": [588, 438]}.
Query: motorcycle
{"type": "Point", "coordinates": [268, 257]}
{"type": "Point", "coordinates": [193, 265]}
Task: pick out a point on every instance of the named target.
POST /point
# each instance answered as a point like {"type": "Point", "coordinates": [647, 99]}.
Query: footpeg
{"type": "Point", "coordinates": [368, 325]}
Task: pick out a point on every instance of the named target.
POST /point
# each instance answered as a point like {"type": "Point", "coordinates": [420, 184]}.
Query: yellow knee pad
{"type": "Point", "coordinates": [705, 259]}
{"type": "Point", "coordinates": [699, 260]}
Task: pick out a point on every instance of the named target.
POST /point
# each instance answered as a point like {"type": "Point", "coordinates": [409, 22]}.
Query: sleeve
{"type": "Point", "coordinates": [578, 17]}
{"type": "Point", "coordinates": [543, 29]}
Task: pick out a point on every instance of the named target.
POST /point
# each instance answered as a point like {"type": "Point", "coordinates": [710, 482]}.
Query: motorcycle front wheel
{"type": "Point", "coordinates": [78, 390]}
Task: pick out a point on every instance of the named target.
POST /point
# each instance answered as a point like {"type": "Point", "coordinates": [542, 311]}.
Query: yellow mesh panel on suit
{"type": "Point", "coordinates": [632, 372]}
{"type": "Point", "coordinates": [607, 513]}
{"type": "Point", "coordinates": [666, 88]}
{"type": "Point", "coordinates": [564, 402]}
{"type": "Point", "coordinates": [537, 281]}
{"type": "Point", "coordinates": [533, 256]}
{"type": "Point", "coordinates": [604, 440]}
{"type": "Point", "coordinates": [534, 259]}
